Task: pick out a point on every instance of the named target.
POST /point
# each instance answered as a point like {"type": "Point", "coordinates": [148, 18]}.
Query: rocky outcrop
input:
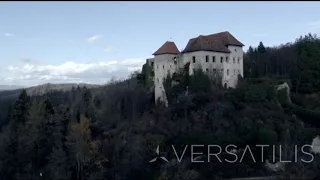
{"type": "Point", "coordinates": [316, 145]}
{"type": "Point", "coordinates": [285, 86]}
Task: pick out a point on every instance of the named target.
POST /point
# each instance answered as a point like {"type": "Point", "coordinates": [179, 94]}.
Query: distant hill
{"type": "Point", "coordinates": [10, 87]}
{"type": "Point", "coordinates": [41, 89]}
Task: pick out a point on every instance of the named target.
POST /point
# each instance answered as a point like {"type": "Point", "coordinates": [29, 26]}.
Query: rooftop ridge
{"type": "Point", "coordinates": [169, 47]}
{"type": "Point", "coordinates": [212, 42]}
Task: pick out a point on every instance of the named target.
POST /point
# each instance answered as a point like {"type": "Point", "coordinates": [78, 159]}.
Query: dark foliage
{"type": "Point", "coordinates": [111, 132]}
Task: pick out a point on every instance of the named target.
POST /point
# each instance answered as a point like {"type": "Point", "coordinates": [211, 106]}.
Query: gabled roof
{"type": "Point", "coordinates": [215, 42]}
{"type": "Point", "coordinates": [167, 48]}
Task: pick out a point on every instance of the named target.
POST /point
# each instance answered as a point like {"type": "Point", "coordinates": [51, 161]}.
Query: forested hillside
{"type": "Point", "coordinates": [42, 89]}
{"type": "Point", "coordinates": [8, 87]}
{"type": "Point", "coordinates": [299, 61]}
{"type": "Point", "coordinates": [112, 132]}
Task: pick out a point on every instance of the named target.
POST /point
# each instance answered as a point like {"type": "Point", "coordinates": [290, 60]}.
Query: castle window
{"type": "Point", "coordinates": [213, 58]}
{"type": "Point", "coordinates": [158, 80]}
{"type": "Point", "coordinates": [235, 50]}
{"type": "Point", "coordinates": [207, 58]}
{"type": "Point", "coordinates": [152, 64]}
{"type": "Point", "coordinates": [207, 70]}
{"type": "Point", "coordinates": [227, 59]}
{"type": "Point", "coordinates": [234, 72]}
{"type": "Point", "coordinates": [227, 72]}
{"type": "Point", "coordinates": [221, 59]}
{"type": "Point", "coordinates": [193, 59]}
{"type": "Point", "coordinates": [214, 70]}
{"type": "Point", "coordinates": [221, 71]}
{"type": "Point", "coordinates": [163, 66]}
{"type": "Point", "coordinates": [238, 60]}
{"type": "Point", "coordinates": [234, 60]}
{"type": "Point", "coordinates": [170, 66]}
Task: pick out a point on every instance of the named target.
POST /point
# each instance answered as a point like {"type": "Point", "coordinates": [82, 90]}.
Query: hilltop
{"type": "Point", "coordinates": [42, 89]}
{"type": "Point", "coordinates": [14, 91]}
{"type": "Point", "coordinates": [10, 87]}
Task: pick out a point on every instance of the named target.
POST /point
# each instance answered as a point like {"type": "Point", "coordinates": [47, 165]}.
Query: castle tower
{"type": "Point", "coordinates": [164, 64]}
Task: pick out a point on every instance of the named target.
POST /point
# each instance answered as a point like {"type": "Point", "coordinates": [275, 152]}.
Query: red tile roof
{"type": "Point", "coordinates": [167, 48]}
{"type": "Point", "coordinates": [215, 42]}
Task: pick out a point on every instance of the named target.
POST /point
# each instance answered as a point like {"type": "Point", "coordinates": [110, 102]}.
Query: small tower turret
{"type": "Point", "coordinates": [163, 64]}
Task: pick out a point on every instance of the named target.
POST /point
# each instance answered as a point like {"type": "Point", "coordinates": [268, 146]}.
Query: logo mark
{"type": "Point", "coordinates": [158, 156]}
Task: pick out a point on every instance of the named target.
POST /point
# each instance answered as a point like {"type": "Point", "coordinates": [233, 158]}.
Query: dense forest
{"type": "Point", "coordinates": [112, 131]}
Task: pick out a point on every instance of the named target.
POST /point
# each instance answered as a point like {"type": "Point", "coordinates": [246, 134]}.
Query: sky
{"type": "Point", "coordinates": [91, 42]}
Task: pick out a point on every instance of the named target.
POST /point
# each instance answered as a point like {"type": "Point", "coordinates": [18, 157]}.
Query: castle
{"type": "Point", "coordinates": [219, 53]}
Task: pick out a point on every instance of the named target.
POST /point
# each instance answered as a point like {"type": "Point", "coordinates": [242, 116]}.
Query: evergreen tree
{"type": "Point", "coordinates": [15, 148]}
{"type": "Point", "coordinates": [261, 48]}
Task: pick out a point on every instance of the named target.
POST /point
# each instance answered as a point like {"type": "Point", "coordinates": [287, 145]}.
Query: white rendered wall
{"type": "Point", "coordinates": [237, 54]}
{"type": "Point", "coordinates": [209, 66]}
{"type": "Point", "coordinates": [163, 64]}
{"type": "Point", "coordinates": [234, 68]}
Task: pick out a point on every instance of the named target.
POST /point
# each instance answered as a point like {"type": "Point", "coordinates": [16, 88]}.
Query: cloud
{"type": "Point", "coordinates": [110, 50]}
{"type": "Point", "coordinates": [259, 35]}
{"type": "Point", "coordinates": [8, 34]}
{"type": "Point", "coordinates": [93, 72]}
{"type": "Point", "coordinates": [94, 38]}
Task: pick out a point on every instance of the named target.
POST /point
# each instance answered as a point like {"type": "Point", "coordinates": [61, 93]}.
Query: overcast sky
{"type": "Point", "coordinates": [90, 42]}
